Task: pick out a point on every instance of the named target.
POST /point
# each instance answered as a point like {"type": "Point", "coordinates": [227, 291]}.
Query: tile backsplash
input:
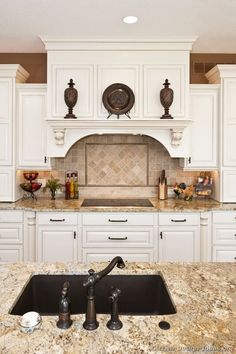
{"type": "Point", "coordinates": [119, 166]}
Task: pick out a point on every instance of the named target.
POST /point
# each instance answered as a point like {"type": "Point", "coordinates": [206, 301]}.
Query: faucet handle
{"type": "Point", "coordinates": [115, 294]}
{"type": "Point", "coordinates": [91, 271]}
{"type": "Point", "coordinates": [92, 278]}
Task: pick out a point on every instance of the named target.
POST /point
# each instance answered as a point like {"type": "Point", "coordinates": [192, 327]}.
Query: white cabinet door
{"type": "Point", "coordinates": [56, 244]}
{"type": "Point", "coordinates": [6, 121]}
{"type": "Point", "coordinates": [11, 253]}
{"type": "Point", "coordinates": [203, 132]}
{"type": "Point", "coordinates": [6, 184]}
{"type": "Point", "coordinates": [229, 122]}
{"type": "Point", "coordinates": [229, 183]}
{"type": "Point", "coordinates": [179, 244]}
{"type": "Point", "coordinates": [95, 255]}
{"type": "Point", "coordinates": [31, 113]}
{"type": "Point", "coordinates": [224, 254]}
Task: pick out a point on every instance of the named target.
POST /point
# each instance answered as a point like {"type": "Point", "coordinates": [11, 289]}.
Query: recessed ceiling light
{"type": "Point", "coordinates": [130, 19]}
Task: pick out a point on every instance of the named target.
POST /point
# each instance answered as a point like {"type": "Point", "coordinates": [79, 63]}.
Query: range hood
{"type": "Point", "coordinates": [170, 133]}
{"type": "Point", "coordinates": [94, 64]}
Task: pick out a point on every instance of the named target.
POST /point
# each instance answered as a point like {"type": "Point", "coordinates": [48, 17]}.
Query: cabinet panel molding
{"type": "Point", "coordinates": [83, 77]}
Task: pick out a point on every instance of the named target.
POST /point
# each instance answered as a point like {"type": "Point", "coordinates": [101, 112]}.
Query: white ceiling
{"type": "Point", "coordinates": [213, 21]}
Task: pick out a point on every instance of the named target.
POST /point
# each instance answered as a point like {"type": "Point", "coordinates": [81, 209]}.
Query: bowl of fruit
{"type": "Point", "coordinates": [31, 175]}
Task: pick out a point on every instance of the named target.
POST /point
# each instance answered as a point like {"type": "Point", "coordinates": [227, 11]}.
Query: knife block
{"type": "Point", "coordinates": [162, 191]}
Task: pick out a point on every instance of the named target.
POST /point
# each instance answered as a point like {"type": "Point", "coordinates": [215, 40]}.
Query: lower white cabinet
{"type": "Point", "coordinates": [11, 236]}
{"type": "Point", "coordinates": [129, 235]}
{"type": "Point", "coordinates": [224, 236]}
{"type": "Point", "coordinates": [56, 237]}
{"type": "Point", "coordinates": [57, 244]}
{"type": "Point", "coordinates": [179, 237]}
{"type": "Point", "coordinates": [224, 254]}
{"type": "Point", "coordinates": [106, 255]}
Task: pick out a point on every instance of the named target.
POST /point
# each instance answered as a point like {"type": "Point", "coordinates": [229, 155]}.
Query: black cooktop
{"type": "Point", "coordinates": [117, 203]}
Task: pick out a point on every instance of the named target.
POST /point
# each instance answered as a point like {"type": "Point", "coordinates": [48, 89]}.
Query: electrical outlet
{"type": "Point", "coordinates": [43, 181]}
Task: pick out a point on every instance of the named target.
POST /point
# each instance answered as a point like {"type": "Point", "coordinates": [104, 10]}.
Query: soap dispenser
{"type": "Point", "coordinates": [162, 186]}
{"type": "Point", "coordinates": [64, 320]}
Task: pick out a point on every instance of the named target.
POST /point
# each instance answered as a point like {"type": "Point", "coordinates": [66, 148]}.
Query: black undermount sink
{"type": "Point", "coordinates": [140, 295]}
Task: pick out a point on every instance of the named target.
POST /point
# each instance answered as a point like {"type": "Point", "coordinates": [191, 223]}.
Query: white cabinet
{"type": "Point", "coordinates": [57, 237]}
{"type": "Point", "coordinates": [6, 120]}
{"type": "Point", "coordinates": [95, 65]}
{"type": "Point", "coordinates": [179, 237]}
{"type": "Point", "coordinates": [224, 236]}
{"type": "Point", "coordinates": [11, 236]}
{"type": "Point", "coordinates": [203, 131]}
{"type": "Point", "coordinates": [31, 126]}
{"type": "Point", "coordinates": [9, 75]}
{"type": "Point", "coordinates": [226, 76]}
{"type": "Point", "coordinates": [129, 235]}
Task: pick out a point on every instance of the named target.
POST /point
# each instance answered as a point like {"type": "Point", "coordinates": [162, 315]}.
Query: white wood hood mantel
{"type": "Point", "coordinates": [66, 132]}
{"type": "Point", "coordinates": [96, 63]}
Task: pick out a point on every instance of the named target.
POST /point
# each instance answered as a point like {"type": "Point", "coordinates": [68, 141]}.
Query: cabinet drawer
{"type": "Point", "coordinates": [11, 253]}
{"type": "Point", "coordinates": [106, 255]}
{"type": "Point", "coordinates": [225, 217]}
{"type": "Point", "coordinates": [224, 254]}
{"type": "Point", "coordinates": [117, 237]}
{"type": "Point", "coordinates": [225, 235]}
{"type": "Point", "coordinates": [178, 219]}
{"type": "Point", "coordinates": [10, 234]}
{"type": "Point", "coordinates": [11, 216]}
{"type": "Point", "coordinates": [119, 219]}
{"type": "Point", "coordinates": [61, 218]}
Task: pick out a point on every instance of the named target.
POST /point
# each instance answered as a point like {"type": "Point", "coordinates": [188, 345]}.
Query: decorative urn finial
{"type": "Point", "coordinates": [166, 98]}
{"type": "Point", "coordinates": [70, 96]}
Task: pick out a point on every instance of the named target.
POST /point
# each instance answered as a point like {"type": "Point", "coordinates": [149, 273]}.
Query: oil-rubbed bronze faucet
{"type": "Point", "coordinates": [91, 322]}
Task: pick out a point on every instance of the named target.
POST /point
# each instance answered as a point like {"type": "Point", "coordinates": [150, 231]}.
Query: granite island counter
{"type": "Point", "coordinates": [204, 295]}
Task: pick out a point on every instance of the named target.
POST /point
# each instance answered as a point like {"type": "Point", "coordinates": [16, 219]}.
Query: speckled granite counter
{"type": "Point", "coordinates": [204, 295]}
{"type": "Point", "coordinates": [171, 204]}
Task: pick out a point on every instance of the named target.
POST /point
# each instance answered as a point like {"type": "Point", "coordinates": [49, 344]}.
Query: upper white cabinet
{"type": "Point", "coordinates": [95, 64]}
{"type": "Point", "coordinates": [9, 76]}
{"type": "Point", "coordinates": [203, 131]}
{"type": "Point", "coordinates": [31, 126]}
{"type": "Point", "coordinates": [6, 120]}
{"type": "Point", "coordinates": [226, 76]}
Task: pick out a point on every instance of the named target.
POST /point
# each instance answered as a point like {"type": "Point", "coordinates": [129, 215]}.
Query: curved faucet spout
{"type": "Point", "coordinates": [115, 261]}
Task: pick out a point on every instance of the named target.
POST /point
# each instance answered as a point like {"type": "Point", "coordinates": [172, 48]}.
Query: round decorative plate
{"type": "Point", "coordinates": [118, 99]}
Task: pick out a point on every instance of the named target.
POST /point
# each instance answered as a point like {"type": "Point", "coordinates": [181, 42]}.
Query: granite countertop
{"type": "Point", "coordinates": [204, 295]}
{"type": "Point", "coordinates": [169, 205]}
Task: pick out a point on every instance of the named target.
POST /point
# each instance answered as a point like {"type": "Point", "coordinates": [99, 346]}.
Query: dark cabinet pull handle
{"type": "Point", "coordinates": [117, 238]}
{"type": "Point", "coordinates": [110, 220]}
{"type": "Point", "coordinates": [183, 220]}
{"type": "Point", "coordinates": [74, 235]}
{"type": "Point", "coordinates": [57, 220]}
{"type": "Point", "coordinates": [161, 234]}
{"type": "Point", "coordinates": [235, 258]}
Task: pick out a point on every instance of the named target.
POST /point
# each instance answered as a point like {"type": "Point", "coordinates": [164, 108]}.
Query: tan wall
{"type": "Point", "coordinates": [36, 64]}
{"type": "Point", "coordinates": [202, 63]}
